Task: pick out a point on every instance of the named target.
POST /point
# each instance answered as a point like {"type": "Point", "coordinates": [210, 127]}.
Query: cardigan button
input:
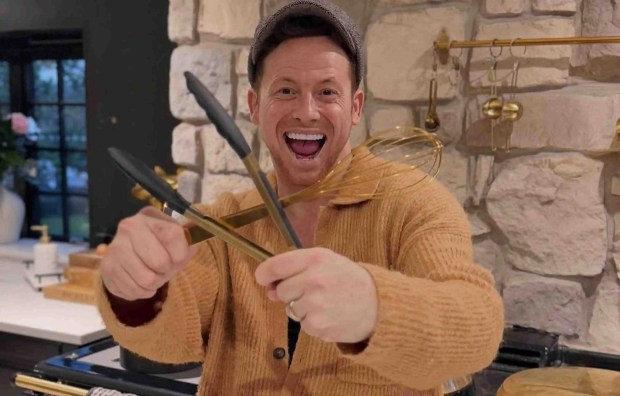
{"type": "Point", "coordinates": [279, 353]}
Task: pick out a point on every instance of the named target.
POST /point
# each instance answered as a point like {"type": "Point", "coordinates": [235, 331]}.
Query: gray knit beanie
{"type": "Point", "coordinates": [339, 20]}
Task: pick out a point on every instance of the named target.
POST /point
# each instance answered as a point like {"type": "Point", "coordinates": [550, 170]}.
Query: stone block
{"type": "Point", "coordinates": [182, 21]}
{"type": "Point", "coordinates": [548, 304]}
{"type": "Point", "coordinates": [218, 156]}
{"type": "Point", "coordinates": [386, 117]}
{"type": "Point", "coordinates": [229, 19]}
{"type": "Point", "coordinates": [186, 149]}
{"type": "Point", "coordinates": [211, 66]}
{"type": "Point", "coordinates": [503, 8]}
{"type": "Point", "coordinates": [399, 67]}
{"type": "Point", "coordinates": [480, 177]}
{"type": "Point", "coordinates": [550, 209]}
{"type": "Point", "coordinates": [568, 7]}
{"type": "Point", "coordinates": [412, 2]}
{"type": "Point", "coordinates": [453, 173]}
{"type": "Point", "coordinates": [243, 109]}
{"type": "Point", "coordinates": [241, 61]}
{"type": "Point", "coordinates": [604, 332]}
{"type": "Point", "coordinates": [478, 226]}
{"type": "Point", "coordinates": [189, 185]}
{"type": "Point", "coordinates": [356, 9]}
{"type": "Point", "coordinates": [598, 61]}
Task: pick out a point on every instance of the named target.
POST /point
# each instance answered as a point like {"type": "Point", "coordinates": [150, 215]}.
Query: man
{"type": "Point", "coordinates": [386, 292]}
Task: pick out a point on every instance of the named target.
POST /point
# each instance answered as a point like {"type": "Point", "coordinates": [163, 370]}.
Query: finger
{"type": "Point", "coordinates": [120, 283]}
{"type": "Point", "coordinates": [138, 283]}
{"type": "Point", "coordinates": [150, 250]}
{"type": "Point", "coordinates": [152, 212]}
{"type": "Point", "coordinates": [142, 275]}
{"type": "Point", "coordinates": [171, 236]}
{"type": "Point", "coordinates": [280, 267]}
{"type": "Point", "coordinates": [289, 289]}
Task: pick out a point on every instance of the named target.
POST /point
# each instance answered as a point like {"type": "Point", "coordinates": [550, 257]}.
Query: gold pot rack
{"type": "Point", "coordinates": [443, 44]}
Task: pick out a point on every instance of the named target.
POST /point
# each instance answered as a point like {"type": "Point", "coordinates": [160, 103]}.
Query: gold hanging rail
{"type": "Point", "coordinates": [443, 44]}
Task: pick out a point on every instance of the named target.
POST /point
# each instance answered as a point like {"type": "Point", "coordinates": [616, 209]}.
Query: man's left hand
{"type": "Point", "coordinates": [334, 297]}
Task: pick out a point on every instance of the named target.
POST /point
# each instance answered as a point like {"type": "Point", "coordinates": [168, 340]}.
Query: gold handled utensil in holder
{"type": "Point", "coordinates": [431, 121]}
{"type": "Point", "coordinates": [492, 107]}
{"type": "Point", "coordinates": [46, 387]}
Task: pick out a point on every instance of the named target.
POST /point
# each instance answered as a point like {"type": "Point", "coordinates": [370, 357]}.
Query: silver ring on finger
{"type": "Point", "coordinates": [291, 313]}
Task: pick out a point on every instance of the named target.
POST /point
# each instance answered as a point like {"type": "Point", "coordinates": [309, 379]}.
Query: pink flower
{"type": "Point", "coordinates": [19, 123]}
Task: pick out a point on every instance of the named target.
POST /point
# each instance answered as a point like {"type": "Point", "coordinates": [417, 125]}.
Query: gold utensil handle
{"type": "Point", "coordinates": [47, 387]}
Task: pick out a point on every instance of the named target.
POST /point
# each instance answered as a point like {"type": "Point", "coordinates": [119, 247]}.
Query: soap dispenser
{"type": "Point", "coordinates": [45, 253]}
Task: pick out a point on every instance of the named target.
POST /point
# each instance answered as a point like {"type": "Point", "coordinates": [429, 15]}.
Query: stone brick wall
{"type": "Point", "coordinates": [544, 214]}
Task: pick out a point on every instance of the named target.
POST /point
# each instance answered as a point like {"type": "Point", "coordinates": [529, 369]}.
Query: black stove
{"type": "Point", "coordinates": [98, 365]}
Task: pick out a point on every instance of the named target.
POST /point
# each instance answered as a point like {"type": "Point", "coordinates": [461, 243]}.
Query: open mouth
{"type": "Point", "coordinates": [305, 145]}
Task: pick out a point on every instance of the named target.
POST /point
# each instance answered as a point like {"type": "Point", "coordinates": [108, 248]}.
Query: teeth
{"type": "Point", "coordinates": [303, 136]}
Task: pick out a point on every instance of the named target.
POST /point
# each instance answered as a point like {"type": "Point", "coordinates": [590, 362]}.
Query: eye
{"type": "Point", "coordinates": [328, 92]}
{"type": "Point", "coordinates": [286, 91]}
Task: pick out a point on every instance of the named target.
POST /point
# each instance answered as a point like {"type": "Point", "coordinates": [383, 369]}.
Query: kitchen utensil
{"type": "Point", "coordinates": [492, 107]}
{"type": "Point", "coordinates": [369, 163]}
{"type": "Point", "coordinates": [227, 128]}
{"type": "Point", "coordinates": [431, 121]}
{"type": "Point", "coordinates": [158, 188]}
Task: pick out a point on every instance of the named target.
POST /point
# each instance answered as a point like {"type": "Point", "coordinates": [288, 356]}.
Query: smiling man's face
{"type": "Point", "coordinates": [305, 107]}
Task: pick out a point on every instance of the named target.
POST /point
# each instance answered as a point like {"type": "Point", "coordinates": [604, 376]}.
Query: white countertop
{"type": "Point", "coordinates": [26, 312]}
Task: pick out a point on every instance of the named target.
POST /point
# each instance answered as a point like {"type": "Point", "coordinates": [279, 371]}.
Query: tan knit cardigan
{"type": "Point", "coordinates": [439, 315]}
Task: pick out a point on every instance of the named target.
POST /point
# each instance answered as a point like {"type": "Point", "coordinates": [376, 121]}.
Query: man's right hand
{"type": "Point", "coordinates": [148, 250]}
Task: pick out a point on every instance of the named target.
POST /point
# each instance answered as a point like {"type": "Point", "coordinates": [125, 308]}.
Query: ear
{"type": "Point", "coordinates": [253, 105]}
{"type": "Point", "coordinates": [356, 108]}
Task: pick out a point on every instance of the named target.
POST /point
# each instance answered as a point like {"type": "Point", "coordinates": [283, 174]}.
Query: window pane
{"type": "Point", "coordinates": [73, 79]}
{"type": "Point", "coordinates": [45, 81]}
{"type": "Point", "coordinates": [5, 89]}
{"type": "Point", "coordinates": [47, 120]}
{"type": "Point", "coordinates": [77, 176]}
{"type": "Point", "coordinates": [50, 213]}
{"type": "Point", "coordinates": [49, 172]}
{"type": "Point", "coordinates": [78, 218]}
{"type": "Point", "coordinates": [75, 126]}
{"type": "Point", "coordinates": [4, 110]}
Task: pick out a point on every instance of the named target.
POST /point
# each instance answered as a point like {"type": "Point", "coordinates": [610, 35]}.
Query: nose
{"type": "Point", "coordinates": [306, 109]}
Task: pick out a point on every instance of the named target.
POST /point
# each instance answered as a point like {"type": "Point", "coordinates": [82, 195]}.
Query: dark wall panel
{"type": "Point", "coordinates": [128, 61]}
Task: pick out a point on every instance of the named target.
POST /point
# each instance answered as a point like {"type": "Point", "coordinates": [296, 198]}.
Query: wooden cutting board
{"type": "Point", "coordinates": [562, 381]}
{"type": "Point", "coordinates": [81, 275]}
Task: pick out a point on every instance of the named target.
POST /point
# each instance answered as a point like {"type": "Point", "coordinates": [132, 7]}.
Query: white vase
{"type": "Point", "coordinates": [12, 211]}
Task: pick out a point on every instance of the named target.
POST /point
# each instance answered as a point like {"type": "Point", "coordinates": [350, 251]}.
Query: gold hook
{"type": "Point", "coordinates": [512, 44]}
{"type": "Point", "coordinates": [501, 49]}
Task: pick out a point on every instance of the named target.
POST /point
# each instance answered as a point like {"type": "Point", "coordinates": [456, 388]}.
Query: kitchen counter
{"type": "Point", "coordinates": [25, 312]}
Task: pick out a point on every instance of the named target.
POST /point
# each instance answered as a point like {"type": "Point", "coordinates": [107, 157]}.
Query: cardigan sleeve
{"type": "Point", "coordinates": [178, 329]}
{"type": "Point", "coordinates": [439, 315]}
{"type": "Point", "coordinates": [176, 333]}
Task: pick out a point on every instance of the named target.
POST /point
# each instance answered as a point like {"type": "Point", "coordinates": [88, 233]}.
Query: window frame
{"type": "Point", "coordinates": [20, 49]}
